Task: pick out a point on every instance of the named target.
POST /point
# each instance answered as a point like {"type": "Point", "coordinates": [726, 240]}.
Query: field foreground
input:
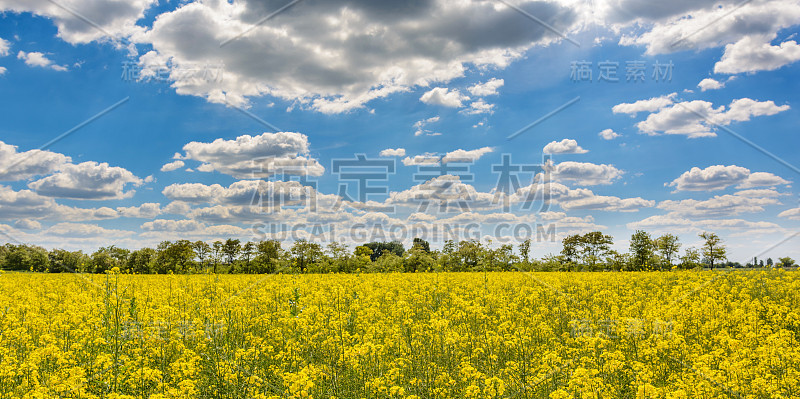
{"type": "Point", "coordinates": [470, 335]}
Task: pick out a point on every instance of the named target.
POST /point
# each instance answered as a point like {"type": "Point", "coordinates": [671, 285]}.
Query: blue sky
{"type": "Point", "coordinates": [433, 82]}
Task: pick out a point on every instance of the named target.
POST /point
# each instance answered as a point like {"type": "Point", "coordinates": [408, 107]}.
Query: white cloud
{"type": "Point", "coordinates": [88, 181]}
{"type": "Point", "coordinates": [424, 159]}
{"type": "Point", "coordinates": [479, 107]}
{"type": "Point", "coordinates": [444, 97]}
{"type": "Point", "coordinates": [675, 223]}
{"type": "Point", "coordinates": [698, 118]}
{"type": "Point", "coordinates": [38, 59]}
{"type": "Point", "coordinates": [754, 54]}
{"type": "Point", "coordinates": [83, 230]}
{"type": "Point", "coordinates": [256, 156]}
{"type": "Point", "coordinates": [566, 146]}
{"type": "Point", "coordinates": [368, 50]}
{"type": "Point", "coordinates": [24, 165]}
{"type": "Point", "coordinates": [466, 156]}
{"type": "Point", "coordinates": [115, 17]}
{"type": "Point", "coordinates": [169, 167]}
{"type": "Point", "coordinates": [718, 177]}
{"type": "Point", "coordinates": [27, 224]}
{"type": "Point", "coordinates": [649, 105]}
{"type": "Point", "coordinates": [609, 134]}
{"type": "Point", "coordinates": [488, 88]}
{"type": "Point", "coordinates": [147, 210]}
{"type": "Point", "coordinates": [710, 84]}
{"type": "Point", "coordinates": [577, 199]}
{"type": "Point", "coordinates": [4, 47]}
{"type": "Point", "coordinates": [3, 70]}
{"type": "Point", "coordinates": [717, 206]}
{"type": "Point", "coordinates": [393, 152]}
{"type": "Point", "coordinates": [793, 214]}
{"type": "Point", "coordinates": [584, 173]}
{"type": "Point", "coordinates": [420, 127]}
{"type": "Point", "coordinates": [701, 25]}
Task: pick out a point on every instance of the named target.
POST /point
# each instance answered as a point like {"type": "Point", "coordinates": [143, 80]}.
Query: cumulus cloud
{"type": "Point", "coordinates": [87, 181]}
{"type": "Point", "coordinates": [4, 47]}
{"type": "Point", "coordinates": [566, 146]}
{"type": "Point", "coordinates": [584, 173]}
{"type": "Point", "coordinates": [457, 156]}
{"type": "Point", "coordinates": [753, 54]}
{"type": "Point", "coordinates": [423, 159]}
{"type": "Point", "coordinates": [479, 107]}
{"type": "Point", "coordinates": [169, 167]}
{"type": "Point", "coordinates": [718, 206]}
{"type": "Point", "coordinates": [24, 165]}
{"type": "Point", "coordinates": [649, 105]}
{"type": "Point", "coordinates": [260, 156]}
{"type": "Point", "coordinates": [27, 224]}
{"type": "Point", "coordinates": [699, 118]}
{"type": "Point", "coordinates": [793, 214]}
{"type": "Point", "coordinates": [608, 134]}
{"type": "Point", "coordinates": [84, 230]}
{"type": "Point", "coordinates": [675, 223]}
{"type": "Point", "coordinates": [466, 156]}
{"type": "Point", "coordinates": [718, 177]}
{"type": "Point", "coordinates": [577, 199]}
{"type": "Point", "coordinates": [444, 97]}
{"type": "Point", "coordinates": [393, 152]}
{"type": "Point", "coordinates": [109, 17]}
{"type": "Point", "coordinates": [710, 84]}
{"type": "Point", "coordinates": [420, 129]}
{"type": "Point", "coordinates": [488, 88]}
{"type": "Point", "coordinates": [710, 25]}
{"type": "Point", "coordinates": [147, 210]}
{"type": "Point", "coordinates": [388, 47]}
{"type": "Point", "coordinates": [37, 59]}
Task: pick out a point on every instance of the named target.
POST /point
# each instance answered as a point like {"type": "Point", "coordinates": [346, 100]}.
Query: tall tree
{"type": "Point", "coordinates": [305, 253]}
{"type": "Point", "coordinates": [668, 246]}
{"type": "Point", "coordinates": [642, 248]}
{"type": "Point", "coordinates": [202, 251]}
{"type": "Point", "coordinates": [712, 249]}
{"type": "Point", "coordinates": [231, 249]}
{"type": "Point", "coordinates": [595, 245]}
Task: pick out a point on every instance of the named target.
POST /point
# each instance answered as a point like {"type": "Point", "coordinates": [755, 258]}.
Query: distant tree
{"type": "Point", "coordinates": [248, 249]}
{"type": "Point", "coordinates": [690, 259]}
{"type": "Point", "coordinates": [216, 253]}
{"type": "Point", "coordinates": [174, 256]}
{"type": "Point", "coordinates": [593, 246]}
{"type": "Point", "coordinates": [231, 249]}
{"type": "Point", "coordinates": [340, 257]}
{"type": "Point", "coordinates": [202, 251]}
{"type": "Point", "coordinates": [61, 261]}
{"type": "Point", "coordinates": [570, 247]}
{"type": "Point", "coordinates": [642, 249]}
{"type": "Point", "coordinates": [786, 262]}
{"type": "Point", "coordinates": [268, 255]}
{"type": "Point", "coordinates": [418, 260]}
{"type": "Point", "coordinates": [378, 248]}
{"type": "Point", "coordinates": [305, 253]}
{"type": "Point", "coordinates": [142, 261]}
{"type": "Point", "coordinates": [470, 254]}
{"type": "Point", "coordinates": [525, 250]}
{"type": "Point", "coordinates": [713, 249]}
{"type": "Point", "coordinates": [769, 262]}
{"type": "Point", "coordinates": [667, 246]}
{"type": "Point", "coordinates": [421, 244]}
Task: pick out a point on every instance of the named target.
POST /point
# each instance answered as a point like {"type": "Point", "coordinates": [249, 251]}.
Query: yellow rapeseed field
{"type": "Point", "coordinates": [450, 335]}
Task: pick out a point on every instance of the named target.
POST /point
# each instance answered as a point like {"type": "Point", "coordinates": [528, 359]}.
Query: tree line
{"type": "Point", "coordinates": [580, 252]}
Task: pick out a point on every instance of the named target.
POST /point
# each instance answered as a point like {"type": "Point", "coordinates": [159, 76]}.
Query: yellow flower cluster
{"type": "Point", "coordinates": [450, 335]}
